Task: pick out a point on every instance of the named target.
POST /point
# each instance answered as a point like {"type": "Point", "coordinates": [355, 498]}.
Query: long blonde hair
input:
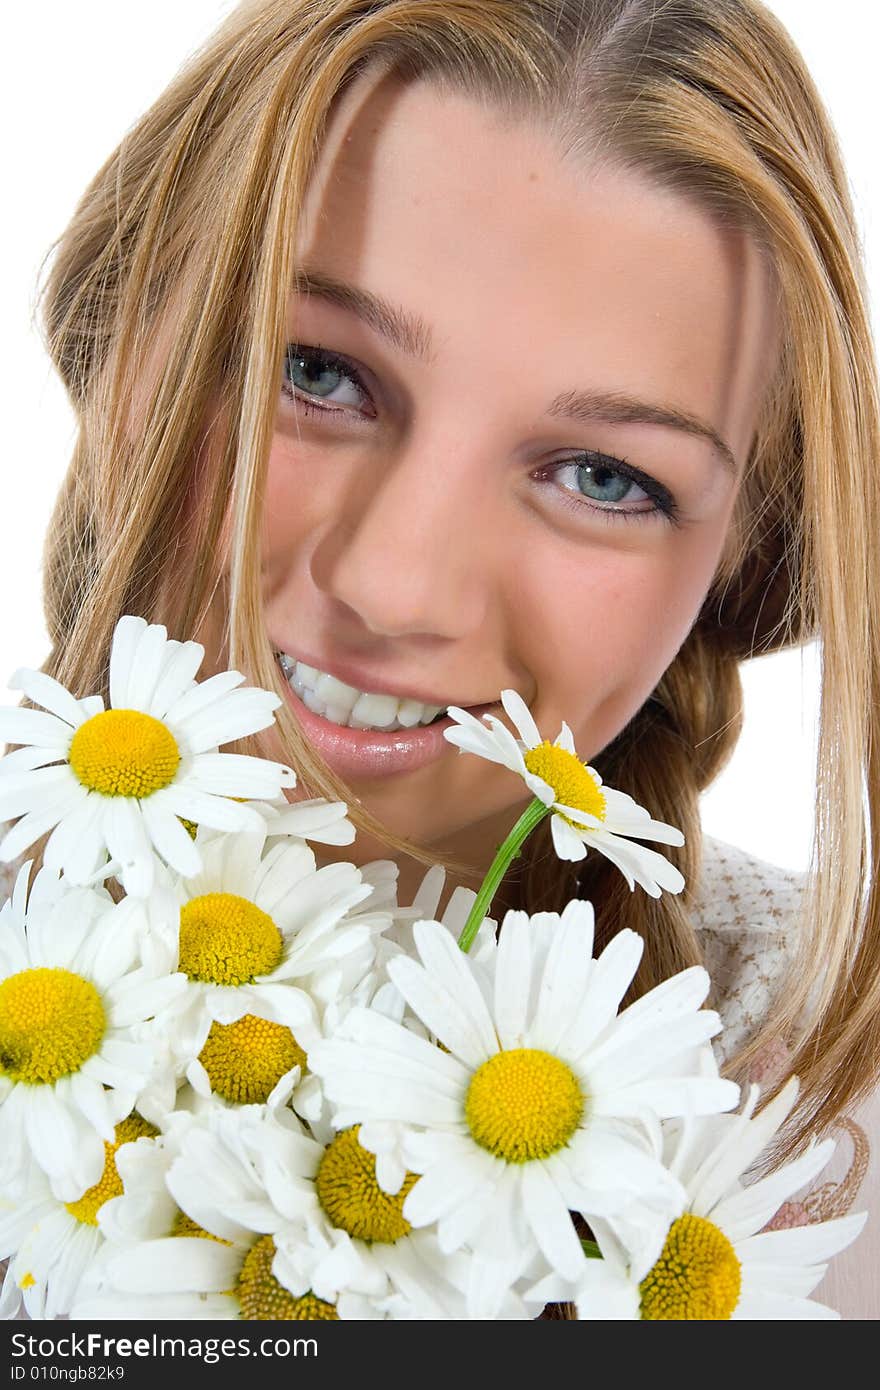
{"type": "Point", "coordinates": [182, 251]}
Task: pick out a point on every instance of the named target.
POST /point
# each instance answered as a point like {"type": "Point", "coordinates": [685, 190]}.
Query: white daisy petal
{"type": "Point", "coordinates": [243, 712]}
{"type": "Point", "coordinates": [518, 712]}
{"type": "Point", "coordinates": [33, 826]}
{"type": "Point", "coordinates": [26, 758]}
{"type": "Point", "coordinates": [734, 1155]}
{"type": "Point", "coordinates": [30, 791]}
{"type": "Point", "coordinates": [46, 691]}
{"type": "Point", "coordinates": [177, 676]}
{"type": "Point", "coordinates": [461, 1024]}
{"type": "Point", "coordinates": [205, 809]}
{"type": "Point", "coordinates": [550, 1222]}
{"type": "Point", "coordinates": [234, 774]}
{"type": "Point", "coordinates": [512, 979]}
{"type": "Point", "coordinates": [624, 815]}
{"type": "Point", "coordinates": [176, 1264]}
{"type": "Point", "coordinates": [19, 725]}
{"type": "Point", "coordinates": [744, 1212]}
{"type": "Point", "coordinates": [170, 837]}
{"type": "Point", "coordinates": [771, 1307]}
{"type": "Point", "coordinates": [146, 666]}
{"type": "Point", "coordinates": [567, 843]}
{"type": "Point", "coordinates": [478, 741]}
{"type": "Point", "coordinates": [565, 739]}
{"type": "Point", "coordinates": [811, 1244]}
{"type": "Point", "coordinates": [539, 788]}
{"type": "Point", "coordinates": [78, 843]}
{"type": "Point", "coordinates": [610, 978]}
{"type": "Point", "coordinates": [126, 637]}
{"type": "Point", "coordinates": [200, 697]}
{"type": "Point", "coordinates": [437, 1193]}
{"type": "Point", "coordinates": [506, 743]}
{"type": "Point", "coordinates": [565, 977]}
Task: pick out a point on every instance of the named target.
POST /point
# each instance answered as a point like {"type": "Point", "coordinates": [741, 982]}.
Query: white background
{"type": "Point", "coordinates": [77, 75]}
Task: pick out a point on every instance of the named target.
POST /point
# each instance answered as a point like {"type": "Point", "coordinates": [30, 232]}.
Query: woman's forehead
{"type": "Point", "coordinates": [493, 243]}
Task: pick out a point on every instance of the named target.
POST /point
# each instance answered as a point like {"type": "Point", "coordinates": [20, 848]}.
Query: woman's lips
{"type": "Point", "coordinates": [355, 753]}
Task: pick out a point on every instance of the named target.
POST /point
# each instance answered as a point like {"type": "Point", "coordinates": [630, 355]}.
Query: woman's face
{"type": "Point", "coordinates": [506, 453]}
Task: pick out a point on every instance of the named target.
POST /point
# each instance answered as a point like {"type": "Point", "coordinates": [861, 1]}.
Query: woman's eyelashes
{"type": "Point", "coordinates": [612, 487]}
{"type": "Point", "coordinates": [313, 375]}
{"type": "Point", "coordinates": [326, 383]}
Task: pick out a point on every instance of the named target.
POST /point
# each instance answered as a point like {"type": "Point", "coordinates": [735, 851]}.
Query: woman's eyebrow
{"type": "Point", "coordinates": [412, 336]}
{"type": "Point", "coordinates": [407, 332]}
{"type": "Point", "coordinates": [617, 408]}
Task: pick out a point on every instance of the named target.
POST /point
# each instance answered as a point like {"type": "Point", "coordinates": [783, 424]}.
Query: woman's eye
{"type": "Point", "coordinates": [613, 487]}
{"type": "Point", "coordinates": [321, 380]}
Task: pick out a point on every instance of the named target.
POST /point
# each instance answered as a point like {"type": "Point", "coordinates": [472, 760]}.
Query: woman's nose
{"type": "Point", "coordinates": [412, 553]}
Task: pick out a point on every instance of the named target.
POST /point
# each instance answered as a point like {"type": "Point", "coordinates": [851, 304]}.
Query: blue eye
{"type": "Point", "coordinates": [598, 483]}
{"type": "Point", "coordinates": [322, 382]}
{"type": "Point", "coordinates": [313, 375]}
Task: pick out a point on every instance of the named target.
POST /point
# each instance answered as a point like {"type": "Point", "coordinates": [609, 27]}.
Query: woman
{"type": "Point", "coordinates": [424, 350]}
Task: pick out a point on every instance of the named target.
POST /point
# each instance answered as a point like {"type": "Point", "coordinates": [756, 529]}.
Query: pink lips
{"type": "Point", "coordinates": [358, 753]}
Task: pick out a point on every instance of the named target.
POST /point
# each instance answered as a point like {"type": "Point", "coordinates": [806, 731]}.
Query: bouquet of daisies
{"type": "Point", "coordinates": [236, 1085]}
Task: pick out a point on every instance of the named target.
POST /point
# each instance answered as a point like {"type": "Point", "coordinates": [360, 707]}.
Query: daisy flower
{"type": "Point", "coordinates": [586, 814]}
{"type": "Point", "coordinates": [324, 822]}
{"type": "Point", "coordinates": [72, 999]}
{"type": "Point", "coordinates": [345, 1242]}
{"type": "Point", "coordinates": [119, 781]}
{"type": "Point", "coordinates": [52, 1243]}
{"type": "Point", "coordinates": [264, 939]}
{"type": "Point", "coordinates": [535, 1101]}
{"type": "Point", "coordinates": [244, 1181]}
{"type": "Point", "coordinates": [717, 1260]}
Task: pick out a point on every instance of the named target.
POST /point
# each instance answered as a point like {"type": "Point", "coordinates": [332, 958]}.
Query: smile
{"type": "Point", "coordinates": [351, 708]}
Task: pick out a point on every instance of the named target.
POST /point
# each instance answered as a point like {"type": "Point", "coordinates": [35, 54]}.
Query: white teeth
{"type": "Point", "coordinates": [336, 693]}
{"type": "Point", "coordinates": [410, 712]}
{"type": "Point", "coordinates": [312, 701]}
{"type": "Point", "coordinates": [378, 711]}
{"type": "Point", "coordinates": [343, 704]}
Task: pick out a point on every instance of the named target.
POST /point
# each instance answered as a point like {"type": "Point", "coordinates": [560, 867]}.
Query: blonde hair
{"type": "Point", "coordinates": [183, 250]}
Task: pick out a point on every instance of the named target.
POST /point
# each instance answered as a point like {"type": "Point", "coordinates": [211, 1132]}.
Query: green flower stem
{"type": "Point", "coordinates": [534, 812]}
{"type": "Point", "coordinates": [591, 1249]}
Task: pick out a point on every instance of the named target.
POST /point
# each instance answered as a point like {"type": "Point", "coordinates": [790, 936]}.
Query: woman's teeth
{"type": "Point", "coordinates": [353, 709]}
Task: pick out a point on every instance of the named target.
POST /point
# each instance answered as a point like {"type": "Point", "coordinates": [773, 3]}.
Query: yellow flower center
{"type": "Point", "coordinates": [86, 1207]}
{"type": "Point", "coordinates": [190, 826]}
{"type": "Point", "coordinates": [696, 1277]}
{"type": "Point", "coordinates": [572, 782]}
{"type": "Point", "coordinates": [350, 1195]}
{"type": "Point", "coordinates": [523, 1104]}
{"type": "Point", "coordinates": [227, 940]}
{"type": "Point", "coordinates": [184, 1225]}
{"type": "Point", "coordinates": [51, 1022]}
{"type": "Point", "coordinates": [261, 1297]}
{"type": "Point", "coordinates": [123, 752]}
{"type": "Point", "coordinates": [245, 1059]}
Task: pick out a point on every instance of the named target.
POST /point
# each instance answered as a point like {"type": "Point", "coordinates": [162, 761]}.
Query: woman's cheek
{"type": "Point", "coordinates": [618, 629]}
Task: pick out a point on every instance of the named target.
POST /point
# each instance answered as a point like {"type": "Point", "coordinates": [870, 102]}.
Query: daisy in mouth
{"type": "Point", "coordinates": [119, 781]}
{"type": "Point", "coordinates": [586, 814]}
